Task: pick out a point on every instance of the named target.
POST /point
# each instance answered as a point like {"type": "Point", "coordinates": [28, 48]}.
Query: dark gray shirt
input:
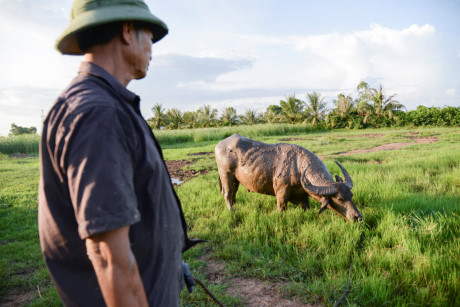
{"type": "Point", "coordinates": [102, 169]}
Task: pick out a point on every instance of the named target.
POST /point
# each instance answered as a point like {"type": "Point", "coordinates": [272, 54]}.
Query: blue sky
{"type": "Point", "coordinates": [247, 54]}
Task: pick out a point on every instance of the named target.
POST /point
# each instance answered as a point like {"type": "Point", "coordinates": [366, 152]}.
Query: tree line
{"type": "Point", "coordinates": [370, 108]}
{"type": "Point", "coordinates": [18, 130]}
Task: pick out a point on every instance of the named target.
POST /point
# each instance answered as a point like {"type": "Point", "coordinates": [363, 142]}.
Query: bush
{"type": "Point", "coordinates": [18, 130]}
{"type": "Point", "coordinates": [434, 116]}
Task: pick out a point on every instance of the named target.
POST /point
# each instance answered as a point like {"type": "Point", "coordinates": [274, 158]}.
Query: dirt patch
{"type": "Point", "coordinates": [253, 292]}
{"type": "Point", "coordinates": [393, 146]}
{"type": "Point", "coordinates": [201, 154]}
{"type": "Point", "coordinates": [17, 299]}
{"type": "Point", "coordinates": [292, 139]}
{"type": "Point", "coordinates": [20, 155]}
{"type": "Point", "coordinates": [372, 136]}
{"type": "Point", "coordinates": [175, 169]}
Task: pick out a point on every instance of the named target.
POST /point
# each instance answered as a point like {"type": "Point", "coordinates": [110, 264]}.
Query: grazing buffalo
{"type": "Point", "coordinates": [289, 172]}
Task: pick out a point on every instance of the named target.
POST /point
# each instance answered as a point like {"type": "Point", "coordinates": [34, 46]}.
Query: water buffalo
{"type": "Point", "coordinates": [289, 172]}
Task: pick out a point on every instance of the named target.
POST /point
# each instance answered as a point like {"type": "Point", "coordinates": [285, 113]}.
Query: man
{"type": "Point", "coordinates": [111, 226]}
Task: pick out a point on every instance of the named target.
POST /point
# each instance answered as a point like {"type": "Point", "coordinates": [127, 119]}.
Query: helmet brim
{"type": "Point", "coordinates": [67, 42]}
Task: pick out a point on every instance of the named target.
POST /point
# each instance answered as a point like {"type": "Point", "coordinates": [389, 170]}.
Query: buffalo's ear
{"type": "Point", "coordinates": [338, 179]}
{"type": "Point", "coordinates": [324, 204]}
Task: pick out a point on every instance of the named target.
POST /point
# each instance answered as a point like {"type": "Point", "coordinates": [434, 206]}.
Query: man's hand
{"type": "Point", "coordinates": [188, 277]}
{"type": "Point", "coordinates": [116, 268]}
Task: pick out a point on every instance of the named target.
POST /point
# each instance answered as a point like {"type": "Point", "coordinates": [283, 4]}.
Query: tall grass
{"type": "Point", "coordinates": [24, 144]}
{"type": "Point", "coordinates": [171, 137]}
{"type": "Point", "coordinates": [29, 143]}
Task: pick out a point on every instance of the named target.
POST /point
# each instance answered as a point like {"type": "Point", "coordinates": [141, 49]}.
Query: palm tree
{"type": "Point", "coordinates": [379, 107]}
{"type": "Point", "coordinates": [385, 106]}
{"type": "Point", "coordinates": [229, 117]}
{"type": "Point", "coordinates": [158, 116]}
{"type": "Point", "coordinates": [315, 108]}
{"type": "Point", "coordinates": [175, 118]}
{"type": "Point", "coordinates": [344, 106]}
{"type": "Point", "coordinates": [273, 114]}
{"type": "Point", "coordinates": [207, 116]}
{"type": "Point", "coordinates": [363, 92]}
{"type": "Point", "coordinates": [191, 119]}
{"type": "Point", "coordinates": [250, 117]}
{"type": "Point", "coordinates": [292, 108]}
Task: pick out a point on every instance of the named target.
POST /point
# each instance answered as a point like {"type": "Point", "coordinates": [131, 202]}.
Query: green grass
{"type": "Point", "coordinates": [22, 270]}
{"type": "Point", "coordinates": [409, 198]}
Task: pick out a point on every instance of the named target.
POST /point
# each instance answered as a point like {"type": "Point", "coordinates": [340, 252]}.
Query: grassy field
{"type": "Point", "coordinates": [409, 198]}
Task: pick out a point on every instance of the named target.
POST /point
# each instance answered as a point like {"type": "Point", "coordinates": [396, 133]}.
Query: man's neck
{"type": "Point", "coordinates": [109, 57]}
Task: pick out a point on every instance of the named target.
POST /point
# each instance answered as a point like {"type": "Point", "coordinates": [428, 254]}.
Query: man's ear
{"type": "Point", "coordinates": [128, 32]}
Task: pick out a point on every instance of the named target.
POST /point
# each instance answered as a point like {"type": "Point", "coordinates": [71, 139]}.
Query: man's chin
{"type": "Point", "coordinates": [140, 76]}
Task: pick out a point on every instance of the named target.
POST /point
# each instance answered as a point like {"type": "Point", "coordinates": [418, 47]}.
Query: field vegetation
{"type": "Point", "coordinates": [409, 198]}
{"type": "Point", "coordinates": [369, 108]}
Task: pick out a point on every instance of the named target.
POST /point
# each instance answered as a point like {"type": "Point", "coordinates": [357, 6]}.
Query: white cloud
{"type": "Point", "coordinates": [407, 62]}
{"type": "Point", "coordinates": [24, 106]}
{"type": "Point", "coordinates": [336, 60]}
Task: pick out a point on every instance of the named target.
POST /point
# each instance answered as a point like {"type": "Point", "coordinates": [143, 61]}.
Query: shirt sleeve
{"type": "Point", "coordinates": [99, 164]}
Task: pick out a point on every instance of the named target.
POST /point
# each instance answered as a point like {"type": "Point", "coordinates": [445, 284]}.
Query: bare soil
{"type": "Point", "coordinates": [393, 146]}
{"type": "Point", "coordinates": [372, 136]}
{"type": "Point", "coordinates": [20, 155]}
{"type": "Point", "coordinates": [253, 292]}
{"type": "Point", "coordinates": [293, 139]}
{"type": "Point", "coordinates": [17, 299]}
{"type": "Point", "coordinates": [175, 169]}
{"type": "Point", "coordinates": [203, 153]}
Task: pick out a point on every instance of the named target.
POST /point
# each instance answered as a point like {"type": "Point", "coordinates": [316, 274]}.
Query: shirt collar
{"type": "Point", "coordinates": [98, 71]}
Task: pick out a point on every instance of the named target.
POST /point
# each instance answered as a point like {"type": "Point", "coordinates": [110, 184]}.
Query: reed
{"type": "Point", "coordinates": [20, 144]}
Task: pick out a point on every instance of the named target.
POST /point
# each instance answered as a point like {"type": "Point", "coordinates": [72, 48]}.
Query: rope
{"type": "Point", "coordinates": [207, 291]}
{"type": "Point", "coordinates": [358, 249]}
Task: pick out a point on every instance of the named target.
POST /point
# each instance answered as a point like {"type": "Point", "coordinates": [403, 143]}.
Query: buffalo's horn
{"type": "Point", "coordinates": [324, 204]}
{"type": "Point", "coordinates": [348, 180]}
{"type": "Point", "coordinates": [318, 190]}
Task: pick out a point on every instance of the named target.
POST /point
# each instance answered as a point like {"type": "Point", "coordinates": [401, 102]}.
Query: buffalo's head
{"type": "Point", "coordinates": [337, 196]}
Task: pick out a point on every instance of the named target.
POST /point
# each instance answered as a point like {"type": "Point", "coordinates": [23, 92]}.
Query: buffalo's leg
{"type": "Point", "coordinates": [305, 204]}
{"type": "Point", "coordinates": [281, 200]}
{"type": "Point", "coordinates": [229, 188]}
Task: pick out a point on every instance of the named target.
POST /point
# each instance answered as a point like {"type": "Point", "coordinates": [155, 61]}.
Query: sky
{"type": "Point", "coordinates": [247, 54]}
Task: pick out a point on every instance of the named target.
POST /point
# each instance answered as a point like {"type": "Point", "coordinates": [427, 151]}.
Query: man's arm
{"type": "Point", "coordinates": [116, 268]}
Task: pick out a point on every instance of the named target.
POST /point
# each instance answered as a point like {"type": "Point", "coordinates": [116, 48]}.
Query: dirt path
{"type": "Point", "coordinates": [255, 293]}
{"type": "Point", "coordinates": [393, 146]}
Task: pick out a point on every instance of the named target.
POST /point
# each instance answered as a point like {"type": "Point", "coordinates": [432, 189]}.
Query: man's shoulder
{"type": "Point", "coordinates": [87, 91]}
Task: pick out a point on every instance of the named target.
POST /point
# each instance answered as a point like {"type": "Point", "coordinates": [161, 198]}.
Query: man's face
{"type": "Point", "coordinates": [142, 53]}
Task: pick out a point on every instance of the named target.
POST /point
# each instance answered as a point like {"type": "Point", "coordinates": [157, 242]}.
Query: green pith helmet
{"type": "Point", "coordinates": [89, 13]}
